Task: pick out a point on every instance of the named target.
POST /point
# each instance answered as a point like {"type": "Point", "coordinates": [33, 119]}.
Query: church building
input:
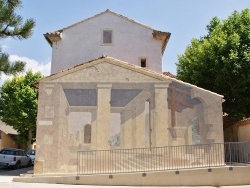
{"type": "Point", "coordinates": [107, 91]}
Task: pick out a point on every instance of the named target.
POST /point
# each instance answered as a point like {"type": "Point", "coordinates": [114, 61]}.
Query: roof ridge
{"type": "Point", "coordinates": [103, 12]}
{"type": "Point", "coordinates": [162, 35]}
{"type": "Point", "coordinates": [138, 68]}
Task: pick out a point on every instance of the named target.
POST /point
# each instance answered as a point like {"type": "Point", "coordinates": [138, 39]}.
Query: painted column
{"type": "Point", "coordinates": [93, 130]}
{"type": "Point", "coordinates": [51, 122]}
{"type": "Point", "coordinates": [126, 129]}
{"type": "Point", "coordinates": [103, 116]}
{"type": "Point", "coordinates": [160, 126]}
{"type": "Point", "coordinates": [133, 126]}
{"type": "Point", "coordinates": [140, 124]}
{"type": "Point", "coordinates": [122, 131]}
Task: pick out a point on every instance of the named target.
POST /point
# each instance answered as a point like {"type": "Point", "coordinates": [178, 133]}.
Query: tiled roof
{"type": "Point", "coordinates": [169, 74]}
{"type": "Point", "coordinates": [108, 59]}
{"type": "Point", "coordinates": [227, 122]}
{"type": "Point", "coordinates": [7, 129]}
{"type": "Point", "coordinates": [136, 68]}
{"type": "Point", "coordinates": [163, 36]}
{"type": "Point", "coordinates": [245, 121]}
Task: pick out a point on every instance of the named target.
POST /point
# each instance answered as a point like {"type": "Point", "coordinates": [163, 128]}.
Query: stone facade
{"type": "Point", "coordinates": [96, 102]}
{"type": "Point", "coordinates": [107, 104]}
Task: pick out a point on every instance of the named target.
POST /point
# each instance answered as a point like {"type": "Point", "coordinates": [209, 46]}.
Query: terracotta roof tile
{"type": "Point", "coordinates": [169, 74]}
{"type": "Point", "coordinates": [245, 121]}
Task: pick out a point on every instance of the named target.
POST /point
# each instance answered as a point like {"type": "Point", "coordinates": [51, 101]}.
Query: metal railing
{"type": "Point", "coordinates": [162, 158]}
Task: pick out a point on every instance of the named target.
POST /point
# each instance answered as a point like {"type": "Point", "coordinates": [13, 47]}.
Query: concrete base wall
{"type": "Point", "coordinates": [221, 176]}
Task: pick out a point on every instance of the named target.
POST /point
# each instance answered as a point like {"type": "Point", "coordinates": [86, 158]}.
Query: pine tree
{"type": "Point", "coordinates": [11, 25]}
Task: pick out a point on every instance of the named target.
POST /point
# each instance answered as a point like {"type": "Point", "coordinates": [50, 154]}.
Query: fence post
{"type": "Point", "coordinates": [162, 158]}
{"type": "Point", "coordinates": [77, 162]}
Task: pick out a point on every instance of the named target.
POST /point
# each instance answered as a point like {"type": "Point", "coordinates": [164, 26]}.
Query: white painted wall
{"type": "Point", "coordinates": [82, 43]}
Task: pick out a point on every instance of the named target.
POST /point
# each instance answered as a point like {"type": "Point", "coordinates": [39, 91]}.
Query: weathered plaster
{"type": "Point", "coordinates": [82, 43]}
{"type": "Point", "coordinates": [122, 113]}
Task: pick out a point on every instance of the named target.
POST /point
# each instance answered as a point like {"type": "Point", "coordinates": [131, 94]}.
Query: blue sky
{"type": "Point", "coordinates": [184, 19]}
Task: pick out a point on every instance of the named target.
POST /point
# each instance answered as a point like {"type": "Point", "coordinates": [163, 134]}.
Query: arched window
{"type": "Point", "coordinates": [87, 134]}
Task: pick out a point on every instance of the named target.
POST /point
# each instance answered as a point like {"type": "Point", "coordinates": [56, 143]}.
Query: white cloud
{"type": "Point", "coordinates": [4, 47]}
{"type": "Point", "coordinates": [31, 64]}
{"type": "Point", "coordinates": [3, 78]}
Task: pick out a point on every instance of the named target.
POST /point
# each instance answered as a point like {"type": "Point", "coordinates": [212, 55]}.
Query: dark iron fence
{"type": "Point", "coordinates": [162, 158]}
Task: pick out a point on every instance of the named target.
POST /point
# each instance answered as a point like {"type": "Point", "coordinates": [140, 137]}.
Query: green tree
{"type": "Point", "coordinates": [220, 62]}
{"type": "Point", "coordinates": [11, 25]}
{"type": "Point", "coordinates": [18, 104]}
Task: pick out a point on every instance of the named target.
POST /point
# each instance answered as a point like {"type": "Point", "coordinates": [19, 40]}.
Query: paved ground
{"type": "Point", "coordinates": [11, 172]}
{"type": "Point", "coordinates": [6, 176]}
{"type": "Point", "coordinates": [35, 185]}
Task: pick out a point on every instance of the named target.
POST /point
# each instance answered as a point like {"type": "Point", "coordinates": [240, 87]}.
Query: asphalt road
{"type": "Point", "coordinates": [6, 176]}
{"type": "Point", "coordinates": [11, 172]}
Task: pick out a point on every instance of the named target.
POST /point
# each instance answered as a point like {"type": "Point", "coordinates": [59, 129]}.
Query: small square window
{"type": "Point", "coordinates": [107, 37]}
{"type": "Point", "coordinates": [143, 62]}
